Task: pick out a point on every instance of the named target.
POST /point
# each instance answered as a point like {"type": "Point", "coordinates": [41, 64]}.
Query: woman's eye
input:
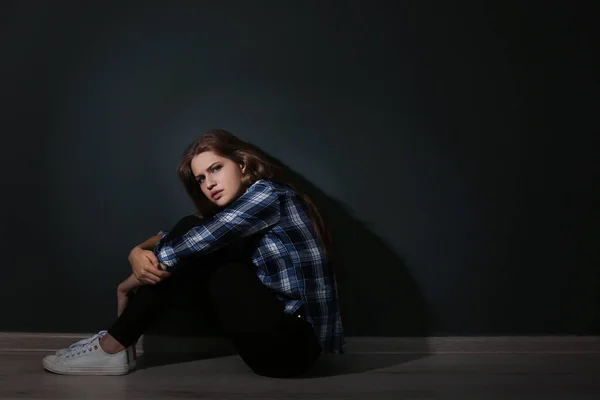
{"type": "Point", "coordinates": [218, 167]}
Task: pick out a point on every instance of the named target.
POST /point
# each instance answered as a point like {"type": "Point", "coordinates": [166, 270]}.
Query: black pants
{"type": "Point", "coordinates": [269, 341]}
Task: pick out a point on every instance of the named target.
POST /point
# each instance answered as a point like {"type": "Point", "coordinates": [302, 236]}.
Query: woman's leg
{"type": "Point", "coordinates": [151, 301]}
{"type": "Point", "coordinates": [269, 341]}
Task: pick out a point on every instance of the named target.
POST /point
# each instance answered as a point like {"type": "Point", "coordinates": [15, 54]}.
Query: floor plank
{"type": "Point", "coordinates": [352, 376]}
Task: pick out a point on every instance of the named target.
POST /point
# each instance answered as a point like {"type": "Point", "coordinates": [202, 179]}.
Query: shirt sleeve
{"type": "Point", "coordinates": [255, 211]}
{"type": "Point", "coordinates": [160, 241]}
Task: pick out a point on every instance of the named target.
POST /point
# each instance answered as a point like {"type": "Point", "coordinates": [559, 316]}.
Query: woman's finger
{"type": "Point", "coordinates": [148, 277]}
{"type": "Point", "coordinates": [153, 271]}
{"type": "Point", "coordinates": [152, 258]}
{"type": "Point", "coordinates": [147, 281]}
{"type": "Point", "coordinates": [158, 271]}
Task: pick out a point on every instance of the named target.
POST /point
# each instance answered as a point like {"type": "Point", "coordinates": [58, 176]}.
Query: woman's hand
{"type": "Point", "coordinates": [145, 267]}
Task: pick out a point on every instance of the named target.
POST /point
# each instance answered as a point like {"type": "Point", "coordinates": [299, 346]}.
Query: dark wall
{"type": "Point", "coordinates": [452, 147]}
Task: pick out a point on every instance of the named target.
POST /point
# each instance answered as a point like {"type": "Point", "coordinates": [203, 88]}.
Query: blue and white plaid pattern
{"type": "Point", "coordinates": [288, 256]}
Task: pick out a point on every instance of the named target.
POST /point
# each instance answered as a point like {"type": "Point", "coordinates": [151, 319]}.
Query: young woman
{"type": "Point", "coordinates": [255, 253]}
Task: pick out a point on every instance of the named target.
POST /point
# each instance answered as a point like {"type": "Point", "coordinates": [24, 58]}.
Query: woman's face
{"type": "Point", "coordinates": [219, 178]}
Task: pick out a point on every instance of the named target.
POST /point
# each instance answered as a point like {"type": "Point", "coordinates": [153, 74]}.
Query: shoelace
{"type": "Point", "coordinates": [80, 346]}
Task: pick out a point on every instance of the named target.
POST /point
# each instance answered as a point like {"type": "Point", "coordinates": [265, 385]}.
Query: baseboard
{"type": "Point", "coordinates": [48, 342]}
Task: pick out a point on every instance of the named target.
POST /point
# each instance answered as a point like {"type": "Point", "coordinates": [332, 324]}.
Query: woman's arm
{"type": "Point", "coordinates": [255, 211]}
{"type": "Point", "coordinates": [150, 243]}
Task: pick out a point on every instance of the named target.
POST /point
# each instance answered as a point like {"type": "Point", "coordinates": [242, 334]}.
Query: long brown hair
{"type": "Point", "coordinates": [258, 166]}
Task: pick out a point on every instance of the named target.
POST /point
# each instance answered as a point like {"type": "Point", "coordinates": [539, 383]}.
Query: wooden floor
{"type": "Point", "coordinates": [352, 376]}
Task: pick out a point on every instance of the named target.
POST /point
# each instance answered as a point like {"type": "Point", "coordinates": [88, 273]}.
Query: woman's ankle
{"type": "Point", "coordinates": [110, 345]}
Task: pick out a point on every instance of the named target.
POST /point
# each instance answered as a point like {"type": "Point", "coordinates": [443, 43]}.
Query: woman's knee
{"type": "Point", "coordinates": [183, 226]}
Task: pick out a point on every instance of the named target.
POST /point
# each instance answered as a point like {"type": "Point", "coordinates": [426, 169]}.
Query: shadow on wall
{"type": "Point", "coordinates": [378, 296]}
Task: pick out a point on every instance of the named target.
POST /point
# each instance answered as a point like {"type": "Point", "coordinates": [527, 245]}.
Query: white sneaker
{"type": "Point", "coordinates": [131, 353]}
{"type": "Point", "coordinates": [86, 357]}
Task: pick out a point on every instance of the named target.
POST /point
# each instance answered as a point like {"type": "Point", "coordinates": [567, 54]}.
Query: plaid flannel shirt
{"type": "Point", "coordinates": [287, 254]}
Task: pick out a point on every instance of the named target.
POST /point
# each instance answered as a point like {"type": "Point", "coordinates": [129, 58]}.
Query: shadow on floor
{"type": "Point", "coordinates": [161, 348]}
{"type": "Point", "coordinates": [168, 350]}
{"type": "Point", "coordinates": [326, 367]}
{"type": "Point", "coordinates": [157, 360]}
{"type": "Point", "coordinates": [356, 364]}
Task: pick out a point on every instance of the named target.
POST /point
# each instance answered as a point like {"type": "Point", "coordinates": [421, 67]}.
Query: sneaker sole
{"type": "Point", "coordinates": [95, 370]}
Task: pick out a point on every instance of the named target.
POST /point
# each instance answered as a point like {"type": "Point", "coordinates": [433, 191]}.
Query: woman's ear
{"type": "Point", "coordinates": [243, 168]}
